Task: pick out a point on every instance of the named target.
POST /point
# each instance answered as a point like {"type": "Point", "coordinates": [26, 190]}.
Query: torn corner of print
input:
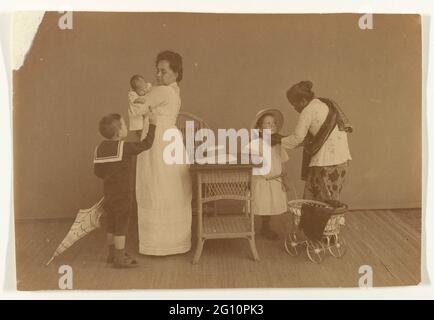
{"type": "Point", "coordinates": [25, 24]}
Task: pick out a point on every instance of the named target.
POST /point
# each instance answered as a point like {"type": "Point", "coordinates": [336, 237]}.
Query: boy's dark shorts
{"type": "Point", "coordinates": [117, 208]}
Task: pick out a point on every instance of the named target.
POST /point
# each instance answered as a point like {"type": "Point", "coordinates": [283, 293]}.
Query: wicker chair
{"type": "Point", "coordinates": [199, 123]}
{"type": "Point", "coordinates": [183, 117]}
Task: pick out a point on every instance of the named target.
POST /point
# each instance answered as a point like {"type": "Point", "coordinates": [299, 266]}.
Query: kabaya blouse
{"type": "Point", "coordinates": [334, 151]}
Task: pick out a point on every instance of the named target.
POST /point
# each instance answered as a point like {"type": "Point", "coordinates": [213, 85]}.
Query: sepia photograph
{"type": "Point", "coordinates": [171, 150]}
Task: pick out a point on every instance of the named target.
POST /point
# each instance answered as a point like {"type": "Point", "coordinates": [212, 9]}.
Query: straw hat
{"type": "Point", "coordinates": [278, 117]}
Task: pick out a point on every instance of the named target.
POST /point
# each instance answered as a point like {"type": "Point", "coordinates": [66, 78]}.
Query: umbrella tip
{"type": "Point", "coordinates": [49, 261]}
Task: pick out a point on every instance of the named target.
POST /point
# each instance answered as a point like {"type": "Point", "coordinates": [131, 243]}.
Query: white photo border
{"type": "Point", "coordinates": [7, 270]}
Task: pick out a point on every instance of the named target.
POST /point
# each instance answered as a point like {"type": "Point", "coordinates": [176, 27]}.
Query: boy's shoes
{"type": "Point", "coordinates": [111, 255]}
{"type": "Point", "coordinates": [270, 234]}
{"type": "Point", "coordinates": [123, 260]}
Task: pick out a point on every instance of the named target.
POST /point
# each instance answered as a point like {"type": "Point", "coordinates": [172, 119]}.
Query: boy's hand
{"type": "Point", "coordinates": [140, 100]}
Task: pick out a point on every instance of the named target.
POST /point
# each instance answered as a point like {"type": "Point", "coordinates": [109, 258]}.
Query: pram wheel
{"type": "Point", "coordinates": [337, 247]}
{"type": "Point", "coordinates": [291, 245]}
{"type": "Point", "coordinates": [315, 251]}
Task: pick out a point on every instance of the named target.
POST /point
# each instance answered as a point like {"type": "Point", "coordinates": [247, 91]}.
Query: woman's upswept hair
{"type": "Point", "coordinates": [175, 62]}
{"type": "Point", "coordinates": [299, 91]}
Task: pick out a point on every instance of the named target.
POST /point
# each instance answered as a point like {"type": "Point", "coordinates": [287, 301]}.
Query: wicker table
{"type": "Point", "coordinates": [224, 182]}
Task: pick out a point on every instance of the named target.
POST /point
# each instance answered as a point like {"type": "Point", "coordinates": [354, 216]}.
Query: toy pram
{"type": "Point", "coordinates": [330, 240]}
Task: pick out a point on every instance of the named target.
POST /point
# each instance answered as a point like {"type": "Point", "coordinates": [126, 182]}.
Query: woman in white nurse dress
{"type": "Point", "coordinates": [163, 191]}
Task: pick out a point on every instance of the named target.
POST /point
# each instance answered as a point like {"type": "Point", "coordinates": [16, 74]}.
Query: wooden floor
{"type": "Point", "coordinates": [389, 241]}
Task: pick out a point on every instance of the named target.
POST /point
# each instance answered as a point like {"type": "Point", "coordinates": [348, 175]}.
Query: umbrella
{"type": "Point", "coordinates": [86, 221]}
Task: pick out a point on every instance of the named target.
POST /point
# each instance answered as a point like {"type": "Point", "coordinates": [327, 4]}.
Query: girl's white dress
{"type": "Point", "coordinates": [269, 197]}
{"type": "Point", "coordinates": [163, 191]}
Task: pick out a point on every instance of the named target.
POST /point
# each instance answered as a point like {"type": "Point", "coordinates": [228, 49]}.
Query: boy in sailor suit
{"type": "Point", "coordinates": [113, 162]}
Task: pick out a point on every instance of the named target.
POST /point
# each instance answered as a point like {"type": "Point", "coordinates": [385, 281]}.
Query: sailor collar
{"type": "Point", "coordinates": [109, 151]}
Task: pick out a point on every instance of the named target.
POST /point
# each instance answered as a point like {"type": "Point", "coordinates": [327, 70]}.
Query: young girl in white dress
{"type": "Point", "coordinates": [269, 192]}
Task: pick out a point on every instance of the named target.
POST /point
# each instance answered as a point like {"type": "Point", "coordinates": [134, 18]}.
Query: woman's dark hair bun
{"type": "Point", "coordinates": [301, 90]}
{"type": "Point", "coordinates": [306, 85]}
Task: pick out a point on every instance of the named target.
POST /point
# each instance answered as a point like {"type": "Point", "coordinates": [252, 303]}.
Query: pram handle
{"type": "Point", "coordinates": [298, 203]}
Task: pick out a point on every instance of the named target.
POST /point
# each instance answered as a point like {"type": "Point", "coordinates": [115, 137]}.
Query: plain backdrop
{"type": "Point", "coordinates": [234, 65]}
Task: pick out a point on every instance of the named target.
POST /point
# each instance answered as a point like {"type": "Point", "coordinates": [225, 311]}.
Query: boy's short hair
{"type": "Point", "coordinates": [110, 125]}
{"type": "Point", "coordinates": [134, 80]}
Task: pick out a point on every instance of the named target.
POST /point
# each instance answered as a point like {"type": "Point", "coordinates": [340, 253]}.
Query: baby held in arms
{"type": "Point", "coordinates": [138, 88]}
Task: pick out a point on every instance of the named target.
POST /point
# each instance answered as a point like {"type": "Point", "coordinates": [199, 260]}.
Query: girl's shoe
{"type": "Point", "coordinates": [269, 234]}
{"type": "Point", "coordinates": [301, 236]}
